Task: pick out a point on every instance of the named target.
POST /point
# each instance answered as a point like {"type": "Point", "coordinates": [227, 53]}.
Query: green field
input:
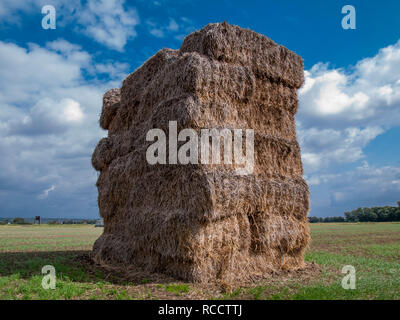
{"type": "Point", "coordinates": [372, 248]}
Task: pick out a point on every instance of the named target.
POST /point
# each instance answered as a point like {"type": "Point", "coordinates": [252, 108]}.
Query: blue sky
{"type": "Point", "coordinates": [52, 81]}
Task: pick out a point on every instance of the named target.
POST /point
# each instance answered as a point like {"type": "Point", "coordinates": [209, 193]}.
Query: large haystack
{"type": "Point", "coordinates": [203, 222]}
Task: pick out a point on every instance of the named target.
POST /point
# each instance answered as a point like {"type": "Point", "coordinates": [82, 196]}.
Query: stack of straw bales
{"type": "Point", "coordinates": [203, 222]}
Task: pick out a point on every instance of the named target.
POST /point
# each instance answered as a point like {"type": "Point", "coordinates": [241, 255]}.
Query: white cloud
{"type": "Point", "coordinates": [35, 70]}
{"type": "Point", "coordinates": [173, 26]}
{"type": "Point", "coordinates": [8, 8]}
{"type": "Point", "coordinates": [46, 117]}
{"type": "Point", "coordinates": [324, 88]}
{"type": "Point", "coordinates": [341, 111]}
{"type": "Point", "coordinates": [46, 192]}
{"type": "Point", "coordinates": [323, 147]}
{"type": "Point", "coordinates": [109, 22]}
{"type": "Point", "coordinates": [160, 30]}
{"type": "Point", "coordinates": [114, 70]}
{"type": "Point", "coordinates": [63, 46]}
{"type": "Point", "coordinates": [365, 183]}
{"type": "Point", "coordinates": [71, 111]}
{"type": "Point", "coordinates": [39, 70]}
{"type": "Point", "coordinates": [368, 93]}
{"type": "Point", "coordinates": [49, 125]}
{"type": "Point", "coordinates": [157, 32]}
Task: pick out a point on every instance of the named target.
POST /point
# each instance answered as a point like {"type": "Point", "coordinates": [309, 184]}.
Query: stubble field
{"type": "Point", "coordinates": [373, 249]}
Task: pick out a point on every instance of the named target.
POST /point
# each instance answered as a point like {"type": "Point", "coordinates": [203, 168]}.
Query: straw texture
{"type": "Point", "coordinates": [201, 222]}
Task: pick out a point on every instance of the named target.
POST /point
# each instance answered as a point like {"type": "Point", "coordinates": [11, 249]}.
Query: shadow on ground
{"type": "Point", "coordinates": [73, 265]}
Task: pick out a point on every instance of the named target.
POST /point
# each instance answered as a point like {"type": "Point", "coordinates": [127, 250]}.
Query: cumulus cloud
{"type": "Point", "coordinates": [49, 70]}
{"type": "Point", "coordinates": [368, 93]}
{"type": "Point", "coordinates": [323, 147]}
{"type": "Point", "coordinates": [49, 126]}
{"type": "Point", "coordinates": [108, 22]}
{"type": "Point", "coordinates": [341, 112]}
{"type": "Point", "coordinates": [172, 28]}
{"type": "Point", "coordinates": [45, 117]}
{"type": "Point", "coordinates": [8, 8]}
{"type": "Point", "coordinates": [366, 185]}
{"type": "Point", "coordinates": [36, 71]}
{"type": "Point", "coordinates": [112, 69]}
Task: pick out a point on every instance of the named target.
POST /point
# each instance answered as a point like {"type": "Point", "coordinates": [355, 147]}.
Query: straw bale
{"type": "Point", "coordinates": [224, 42]}
{"type": "Point", "coordinates": [111, 100]}
{"type": "Point", "coordinates": [203, 222]}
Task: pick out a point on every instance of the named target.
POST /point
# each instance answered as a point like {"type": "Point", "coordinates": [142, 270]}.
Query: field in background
{"type": "Point", "coordinates": [372, 248]}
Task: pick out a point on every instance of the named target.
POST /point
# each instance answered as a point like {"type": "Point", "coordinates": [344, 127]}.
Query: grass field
{"type": "Point", "coordinates": [372, 248]}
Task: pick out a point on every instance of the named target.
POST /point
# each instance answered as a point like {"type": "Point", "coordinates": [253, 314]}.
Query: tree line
{"type": "Point", "coordinates": [374, 214]}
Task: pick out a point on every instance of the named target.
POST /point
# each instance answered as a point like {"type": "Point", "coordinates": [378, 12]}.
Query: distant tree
{"type": "Point", "coordinates": [378, 214]}
{"type": "Point", "coordinates": [53, 222]}
{"type": "Point", "coordinates": [348, 216]}
{"type": "Point", "coordinates": [313, 219]}
{"type": "Point", "coordinates": [383, 214]}
{"type": "Point", "coordinates": [353, 216]}
{"type": "Point", "coordinates": [395, 214]}
{"type": "Point", "coordinates": [338, 219]}
{"type": "Point", "coordinates": [369, 215]}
